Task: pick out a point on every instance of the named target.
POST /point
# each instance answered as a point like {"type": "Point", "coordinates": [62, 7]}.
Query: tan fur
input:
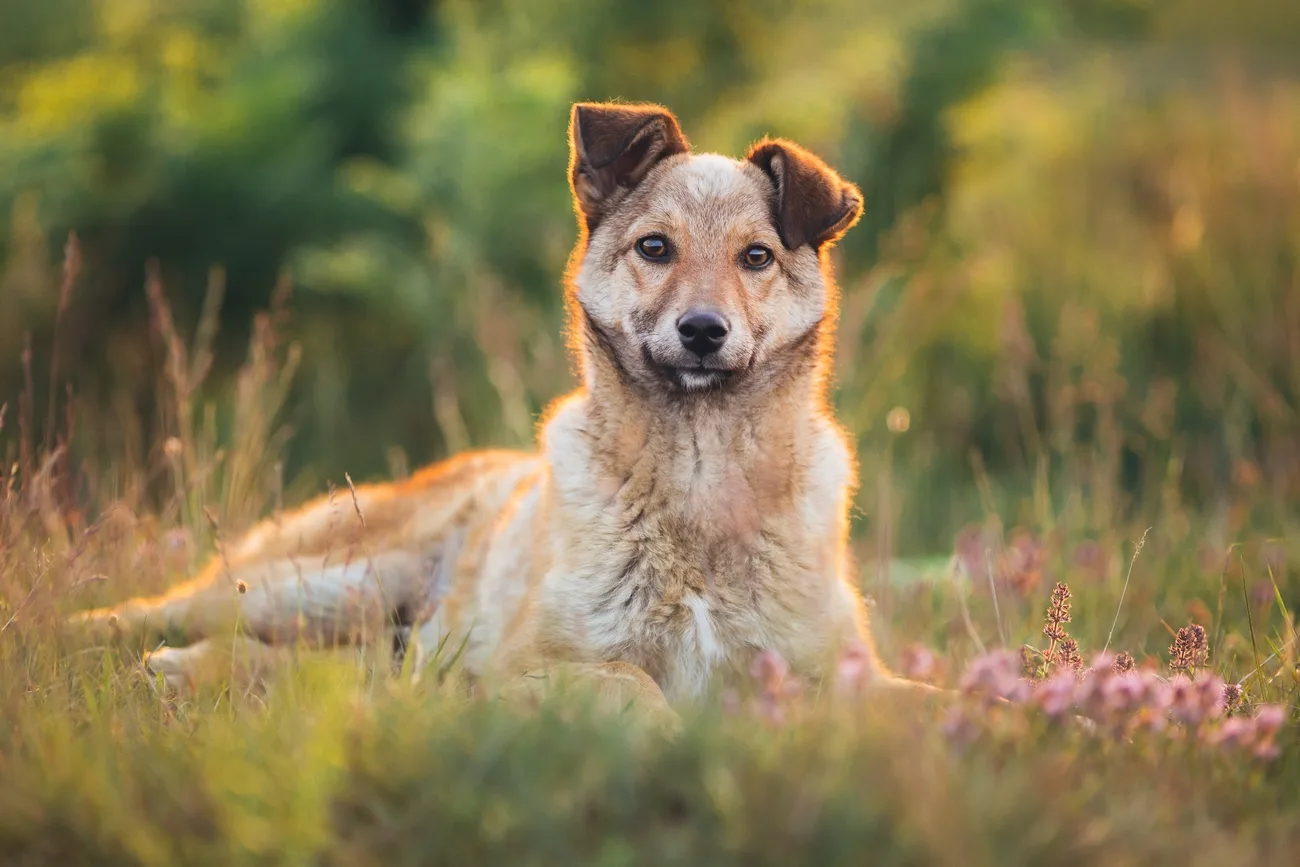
{"type": "Point", "coordinates": [682, 514]}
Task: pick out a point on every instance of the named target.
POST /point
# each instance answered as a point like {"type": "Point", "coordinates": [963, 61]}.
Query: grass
{"type": "Point", "coordinates": [336, 761]}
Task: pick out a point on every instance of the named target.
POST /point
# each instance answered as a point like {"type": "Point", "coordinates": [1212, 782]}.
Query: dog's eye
{"type": "Point", "coordinates": [653, 247]}
{"type": "Point", "coordinates": [757, 257]}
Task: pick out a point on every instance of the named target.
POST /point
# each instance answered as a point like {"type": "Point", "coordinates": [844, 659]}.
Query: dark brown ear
{"type": "Point", "coordinates": [612, 148]}
{"type": "Point", "coordinates": [813, 205]}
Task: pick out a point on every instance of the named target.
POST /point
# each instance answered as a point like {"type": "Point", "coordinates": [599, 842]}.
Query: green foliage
{"type": "Point", "coordinates": [1077, 274]}
{"type": "Point", "coordinates": [1077, 267]}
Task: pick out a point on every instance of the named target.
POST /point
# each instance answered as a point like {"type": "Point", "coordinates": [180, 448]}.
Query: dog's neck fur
{"type": "Point", "coordinates": [743, 451]}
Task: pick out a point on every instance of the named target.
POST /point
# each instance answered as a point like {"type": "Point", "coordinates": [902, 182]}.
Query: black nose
{"type": "Point", "coordinates": [702, 331]}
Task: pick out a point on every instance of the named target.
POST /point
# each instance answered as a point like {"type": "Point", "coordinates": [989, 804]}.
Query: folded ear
{"type": "Point", "coordinates": [612, 148]}
{"type": "Point", "coordinates": [813, 205]}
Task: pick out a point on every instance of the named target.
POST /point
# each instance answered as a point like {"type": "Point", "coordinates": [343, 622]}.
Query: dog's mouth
{"type": "Point", "coordinates": [698, 378]}
{"type": "Point", "coordinates": [694, 378]}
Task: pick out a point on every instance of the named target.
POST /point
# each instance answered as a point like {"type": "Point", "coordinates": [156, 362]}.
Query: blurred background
{"type": "Point", "coordinates": [1073, 302]}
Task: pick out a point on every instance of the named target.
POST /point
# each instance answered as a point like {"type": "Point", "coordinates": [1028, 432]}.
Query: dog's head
{"type": "Point", "coordinates": [697, 272]}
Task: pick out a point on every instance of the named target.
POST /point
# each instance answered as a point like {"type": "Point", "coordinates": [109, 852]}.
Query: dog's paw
{"type": "Point", "coordinates": [174, 665]}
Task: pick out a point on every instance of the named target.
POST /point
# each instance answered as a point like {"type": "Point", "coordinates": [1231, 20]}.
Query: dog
{"type": "Point", "coordinates": [688, 506]}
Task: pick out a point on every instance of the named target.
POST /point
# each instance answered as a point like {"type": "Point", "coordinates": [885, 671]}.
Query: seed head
{"type": "Point", "coordinates": [1058, 614]}
{"type": "Point", "coordinates": [1190, 648]}
{"type": "Point", "coordinates": [1058, 608]}
{"type": "Point", "coordinates": [1232, 698]}
{"type": "Point", "coordinates": [1068, 654]}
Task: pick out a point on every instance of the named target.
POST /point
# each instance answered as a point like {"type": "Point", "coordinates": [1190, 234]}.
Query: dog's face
{"type": "Point", "coordinates": [700, 272]}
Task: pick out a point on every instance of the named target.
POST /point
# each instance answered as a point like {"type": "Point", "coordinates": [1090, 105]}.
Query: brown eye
{"type": "Point", "coordinates": [757, 257]}
{"type": "Point", "coordinates": [653, 247]}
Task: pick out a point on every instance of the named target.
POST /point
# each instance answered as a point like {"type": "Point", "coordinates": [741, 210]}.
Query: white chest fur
{"type": "Point", "coordinates": [687, 561]}
{"type": "Point", "coordinates": [681, 634]}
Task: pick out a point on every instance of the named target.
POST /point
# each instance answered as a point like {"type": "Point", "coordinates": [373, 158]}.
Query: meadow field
{"type": "Point", "coordinates": [252, 251]}
{"type": "Point", "coordinates": [1190, 754]}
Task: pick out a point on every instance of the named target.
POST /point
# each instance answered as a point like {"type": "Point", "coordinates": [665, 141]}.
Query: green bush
{"type": "Point", "coordinates": [1076, 269]}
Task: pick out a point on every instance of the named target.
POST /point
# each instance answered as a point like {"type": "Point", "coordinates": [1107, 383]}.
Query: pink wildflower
{"type": "Point", "coordinates": [853, 668]}
{"type": "Point", "coordinates": [1194, 702]}
{"type": "Point", "coordinates": [1211, 688]}
{"type": "Point", "coordinates": [995, 675]}
{"type": "Point", "coordinates": [1269, 718]}
{"type": "Point", "coordinates": [1119, 697]}
{"type": "Point", "coordinates": [1236, 732]}
{"type": "Point", "coordinates": [775, 685]}
{"type": "Point", "coordinates": [1268, 722]}
{"type": "Point", "coordinates": [769, 669]}
{"type": "Point", "coordinates": [1256, 735]}
{"type": "Point", "coordinates": [1056, 695]}
{"type": "Point", "coordinates": [918, 662]}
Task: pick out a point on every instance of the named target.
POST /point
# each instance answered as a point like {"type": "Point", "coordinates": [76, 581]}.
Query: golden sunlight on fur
{"type": "Point", "coordinates": [689, 505]}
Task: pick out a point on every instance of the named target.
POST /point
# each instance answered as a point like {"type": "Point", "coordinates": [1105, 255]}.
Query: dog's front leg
{"type": "Point", "coordinates": [859, 673]}
{"type": "Point", "coordinates": [237, 661]}
{"type": "Point", "coordinates": [616, 687]}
